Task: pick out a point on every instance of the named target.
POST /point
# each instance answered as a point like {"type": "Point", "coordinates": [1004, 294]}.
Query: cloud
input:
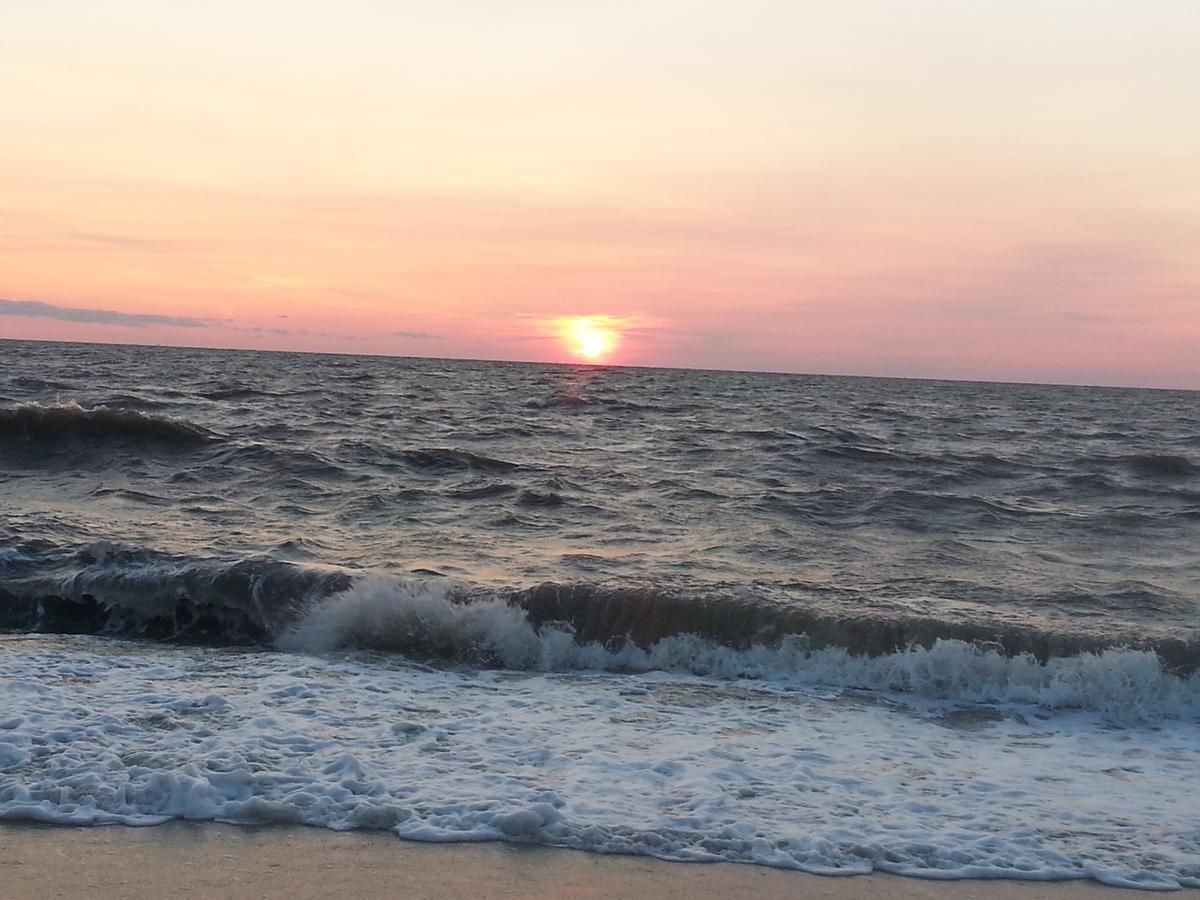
{"type": "Point", "coordinates": [37, 309]}
{"type": "Point", "coordinates": [258, 329]}
{"type": "Point", "coordinates": [262, 330]}
{"type": "Point", "coordinates": [40, 310]}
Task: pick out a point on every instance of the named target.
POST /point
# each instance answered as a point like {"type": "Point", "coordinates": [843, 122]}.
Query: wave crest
{"type": "Point", "coordinates": [64, 425]}
{"type": "Point", "coordinates": [551, 627]}
{"type": "Point", "coordinates": [430, 619]}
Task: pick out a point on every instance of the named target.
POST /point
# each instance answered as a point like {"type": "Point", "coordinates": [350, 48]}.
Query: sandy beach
{"type": "Point", "coordinates": [183, 859]}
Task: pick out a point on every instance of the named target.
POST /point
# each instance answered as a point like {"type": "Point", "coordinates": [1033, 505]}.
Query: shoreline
{"type": "Point", "coordinates": [182, 858]}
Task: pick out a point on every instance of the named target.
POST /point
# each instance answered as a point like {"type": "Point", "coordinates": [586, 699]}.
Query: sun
{"type": "Point", "coordinates": [589, 337]}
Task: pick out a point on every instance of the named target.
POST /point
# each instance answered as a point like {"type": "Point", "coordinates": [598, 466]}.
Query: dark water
{"type": "Point", "coordinates": [833, 624]}
{"type": "Point", "coordinates": [867, 513]}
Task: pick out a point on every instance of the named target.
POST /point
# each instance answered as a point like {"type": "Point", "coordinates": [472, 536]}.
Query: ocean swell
{"type": "Point", "coordinates": [551, 627]}
{"type": "Point", "coordinates": [38, 428]}
{"type": "Point", "coordinates": [115, 590]}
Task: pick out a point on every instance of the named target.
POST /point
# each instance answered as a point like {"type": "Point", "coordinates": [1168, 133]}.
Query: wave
{"type": "Point", "coordinates": [442, 459]}
{"type": "Point", "coordinates": [1155, 464]}
{"type": "Point", "coordinates": [859, 454]}
{"type": "Point", "coordinates": [140, 497]}
{"type": "Point", "coordinates": [29, 383]}
{"type": "Point", "coordinates": [552, 627]}
{"type": "Point", "coordinates": [426, 619]}
{"type": "Point", "coordinates": [530, 497]}
{"type": "Point", "coordinates": [1152, 465]}
{"type": "Point", "coordinates": [137, 402]}
{"type": "Point", "coordinates": [235, 392]}
{"type": "Point", "coordinates": [281, 461]}
{"type": "Point", "coordinates": [569, 400]}
{"type": "Point", "coordinates": [557, 400]}
{"type": "Point", "coordinates": [901, 501]}
{"type": "Point", "coordinates": [68, 425]}
{"type": "Point", "coordinates": [483, 492]}
{"type": "Point", "coordinates": [110, 589]}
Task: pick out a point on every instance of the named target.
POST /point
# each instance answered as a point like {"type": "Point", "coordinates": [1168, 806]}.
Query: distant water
{"type": "Point", "coordinates": [836, 624]}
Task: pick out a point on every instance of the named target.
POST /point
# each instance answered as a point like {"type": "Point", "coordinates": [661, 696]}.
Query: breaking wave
{"type": "Point", "coordinates": [551, 627]}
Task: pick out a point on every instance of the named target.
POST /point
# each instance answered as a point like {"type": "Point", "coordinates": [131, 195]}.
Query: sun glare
{"type": "Point", "coordinates": [589, 338]}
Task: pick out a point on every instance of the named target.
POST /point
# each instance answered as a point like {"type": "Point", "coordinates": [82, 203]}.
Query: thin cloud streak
{"type": "Point", "coordinates": [37, 309]}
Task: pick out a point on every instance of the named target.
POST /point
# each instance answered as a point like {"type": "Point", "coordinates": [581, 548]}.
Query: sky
{"type": "Point", "coordinates": [986, 190]}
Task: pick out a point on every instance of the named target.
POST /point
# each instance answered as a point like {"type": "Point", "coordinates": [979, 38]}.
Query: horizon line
{"type": "Point", "coordinates": [590, 365]}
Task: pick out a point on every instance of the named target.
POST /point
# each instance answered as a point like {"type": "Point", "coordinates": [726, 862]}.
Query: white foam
{"type": "Point", "coordinates": [389, 613]}
{"type": "Point", "coordinates": [668, 765]}
{"type": "Point", "coordinates": [424, 618]}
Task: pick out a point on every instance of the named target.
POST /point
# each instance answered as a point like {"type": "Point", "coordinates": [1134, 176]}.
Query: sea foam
{"type": "Point", "coordinates": [660, 764]}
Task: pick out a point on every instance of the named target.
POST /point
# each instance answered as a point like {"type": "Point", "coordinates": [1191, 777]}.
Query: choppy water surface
{"type": "Point", "coordinates": [742, 574]}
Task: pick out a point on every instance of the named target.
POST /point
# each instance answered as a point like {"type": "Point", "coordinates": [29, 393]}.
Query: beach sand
{"type": "Point", "coordinates": [205, 860]}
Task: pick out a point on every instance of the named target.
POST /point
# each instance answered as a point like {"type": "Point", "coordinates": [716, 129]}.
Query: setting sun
{"type": "Point", "coordinates": [589, 338]}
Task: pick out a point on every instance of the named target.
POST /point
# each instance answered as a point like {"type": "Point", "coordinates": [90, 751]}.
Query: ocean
{"type": "Point", "coordinates": [835, 624]}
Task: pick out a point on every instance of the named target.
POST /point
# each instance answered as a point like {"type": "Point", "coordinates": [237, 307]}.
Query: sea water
{"type": "Point", "coordinates": [833, 624]}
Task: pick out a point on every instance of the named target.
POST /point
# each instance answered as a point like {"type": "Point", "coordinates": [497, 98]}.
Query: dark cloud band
{"type": "Point", "coordinates": [40, 310]}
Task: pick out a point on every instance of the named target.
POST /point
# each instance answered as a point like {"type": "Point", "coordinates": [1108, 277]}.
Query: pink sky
{"type": "Point", "coordinates": [997, 191]}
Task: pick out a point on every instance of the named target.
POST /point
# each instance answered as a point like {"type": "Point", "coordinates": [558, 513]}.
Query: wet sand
{"type": "Point", "coordinates": [205, 860]}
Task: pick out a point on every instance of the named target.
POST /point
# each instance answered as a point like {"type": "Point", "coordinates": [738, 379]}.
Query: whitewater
{"type": "Point", "coordinates": [837, 625]}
